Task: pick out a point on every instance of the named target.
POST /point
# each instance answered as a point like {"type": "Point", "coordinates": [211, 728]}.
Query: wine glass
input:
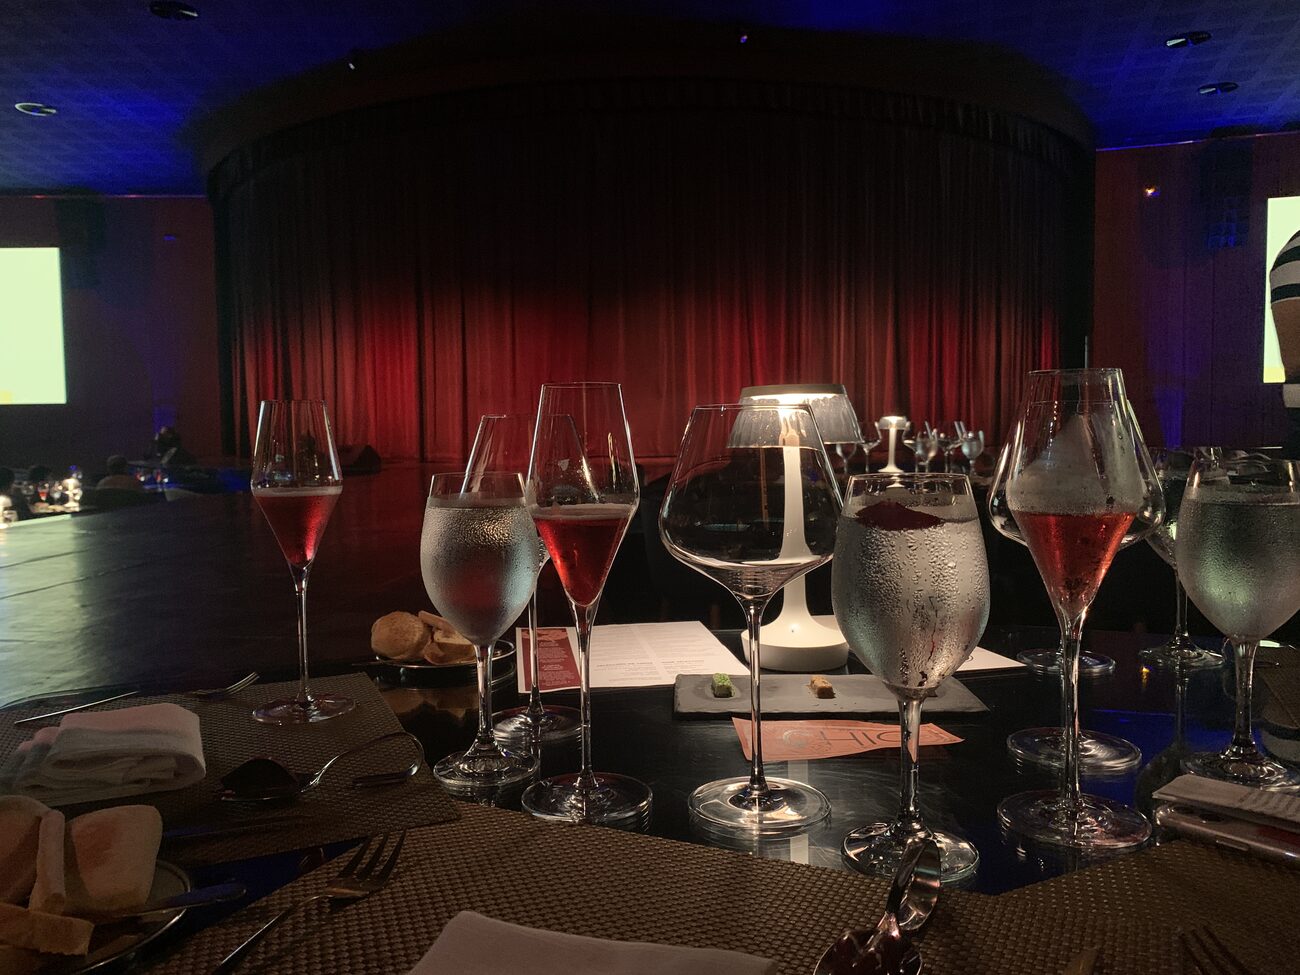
{"type": "Point", "coordinates": [1077, 483]}
{"type": "Point", "coordinates": [582, 492]}
{"type": "Point", "coordinates": [503, 443]}
{"type": "Point", "coordinates": [1238, 550]}
{"type": "Point", "coordinates": [740, 471]}
{"type": "Point", "coordinates": [478, 557]}
{"type": "Point", "coordinates": [296, 482]}
{"type": "Point", "coordinates": [910, 586]}
{"type": "Point", "coordinates": [1173, 467]}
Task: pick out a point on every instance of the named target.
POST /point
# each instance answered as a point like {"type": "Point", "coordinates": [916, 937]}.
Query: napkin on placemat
{"type": "Point", "coordinates": [472, 944]}
{"type": "Point", "coordinates": [96, 755]}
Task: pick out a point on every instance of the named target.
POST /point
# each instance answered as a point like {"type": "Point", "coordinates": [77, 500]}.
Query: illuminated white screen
{"type": "Point", "coordinates": [1283, 222]}
{"type": "Point", "coordinates": [31, 327]}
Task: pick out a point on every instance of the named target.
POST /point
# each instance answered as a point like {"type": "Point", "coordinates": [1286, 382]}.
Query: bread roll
{"type": "Point", "coordinates": [111, 858]}
{"type": "Point", "coordinates": [49, 893]}
{"type": "Point", "coordinates": [52, 934]}
{"type": "Point", "coordinates": [20, 826]}
{"type": "Point", "coordinates": [399, 636]}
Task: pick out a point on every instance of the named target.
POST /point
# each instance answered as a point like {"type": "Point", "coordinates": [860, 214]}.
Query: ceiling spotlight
{"type": "Point", "coordinates": [1218, 88]}
{"type": "Point", "coordinates": [1151, 191]}
{"type": "Point", "coordinates": [1191, 37]}
{"type": "Point", "coordinates": [36, 108]}
{"type": "Point", "coordinates": [173, 10]}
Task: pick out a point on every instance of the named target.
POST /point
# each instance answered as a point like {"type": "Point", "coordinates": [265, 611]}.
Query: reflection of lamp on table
{"type": "Point", "coordinates": [794, 641]}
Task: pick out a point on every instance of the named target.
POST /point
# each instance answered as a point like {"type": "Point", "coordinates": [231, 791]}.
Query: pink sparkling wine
{"type": "Point", "coordinates": [583, 540]}
{"type": "Point", "coordinates": [298, 517]}
{"type": "Point", "coordinates": [1073, 552]}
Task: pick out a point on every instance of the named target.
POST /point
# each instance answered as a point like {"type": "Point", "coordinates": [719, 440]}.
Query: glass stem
{"type": "Point", "coordinates": [909, 822]}
{"type": "Point", "coordinates": [484, 741]}
{"type": "Point", "coordinates": [300, 574]}
{"type": "Point", "coordinates": [754, 615]}
{"type": "Point", "coordinates": [535, 710]}
{"type": "Point", "coordinates": [1071, 648]}
{"type": "Point", "coordinates": [583, 616]}
{"type": "Point", "coordinates": [1180, 611]}
{"type": "Point", "coordinates": [1243, 742]}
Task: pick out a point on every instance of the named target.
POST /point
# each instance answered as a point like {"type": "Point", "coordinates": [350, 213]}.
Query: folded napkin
{"type": "Point", "coordinates": [90, 756]}
{"type": "Point", "coordinates": [472, 944]}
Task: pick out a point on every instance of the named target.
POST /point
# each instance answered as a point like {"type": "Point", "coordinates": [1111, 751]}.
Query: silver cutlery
{"type": "Point", "coordinates": [266, 780]}
{"type": "Point", "coordinates": [199, 897]}
{"type": "Point", "coordinates": [203, 831]}
{"type": "Point", "coordinates": [353, 883]}
{"type": "Point", "coordinates": [1208, 955]}
{"type": "Point", "coordinates": [211, 694]}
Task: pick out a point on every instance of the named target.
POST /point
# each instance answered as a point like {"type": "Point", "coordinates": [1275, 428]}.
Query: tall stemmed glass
{"type": "Point", "coordinates": [1077, 483]}
{"type": "Point", "coordinates": [478, 557]}
{"type": "Point", "coordinates": [1238, 551]}
{"type": "Point", "coordinates": [740, 471]}
{"type": "Point", "coordinates": [503, 443]}
{"type": "Point", "coordinates": [910, 585]}
{"type": "Point", "coordinates": [1173, 466]}
{"type": "Point", "coordinates": [582, 492]}
{"type": "Point", "coordinates": [296, 483]}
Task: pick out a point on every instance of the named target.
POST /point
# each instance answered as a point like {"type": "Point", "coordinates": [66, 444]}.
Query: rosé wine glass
{"type": "Point", "coordinates": [296, 483]}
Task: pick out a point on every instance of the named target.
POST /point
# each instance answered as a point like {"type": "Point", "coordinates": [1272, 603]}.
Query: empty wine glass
{"type": "Point", "coordinates": [1076, 483]}
{"type": "Point", "coordinates": [503, 443]}
{"type": "Point", "coordinates": [740, 471]}
{"type": "Point", "coordinates": [296, 482]}
{"type": "Point", "coordinates": [1173, 466]}
{"type": "Point", "coordinates": [910, 586]}
{"type": "Point", "coordinates": [1238, 551]}
{"type": "Point", "coordinates": [582, 492]}
{"type": "Point", "coordinates": [478, 557]}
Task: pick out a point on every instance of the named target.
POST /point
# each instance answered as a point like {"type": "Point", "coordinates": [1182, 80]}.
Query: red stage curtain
{"type": "Point", "coordinates": [425, 262]}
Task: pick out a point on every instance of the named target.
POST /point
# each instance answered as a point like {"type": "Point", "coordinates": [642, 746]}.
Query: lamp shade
{"type": "Point", "coordinates": [829, 402]}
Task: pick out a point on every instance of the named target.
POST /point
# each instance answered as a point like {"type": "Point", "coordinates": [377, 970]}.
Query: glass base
{"type": "Point", "coordinates": [727, 805]}
{"type": "Point", "coordinates": [1048, 663]}
{"type": "Point", "coordinates": [617, 801]}
{"type": "Point", "coordinates": [319, 707]}
{"type": "Point", "coordinates": [877, 850]}
{"type": "Point", "coordinates": [1097, 825]}
{"type": "Point", "coordinates": [558, 724]}
{"type": "Point", "coordinates": [1180, 653]}
{"type": "Point", "coordinates": [1097, 752]}
{"type": "Point", "coordinates": [1245, 767]}
{"type": "Point", "coordinates": [476, 774]}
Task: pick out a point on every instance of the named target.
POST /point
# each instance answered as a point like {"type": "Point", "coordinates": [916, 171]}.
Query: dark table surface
{"type": "Point", "coordinates": [194, 593]}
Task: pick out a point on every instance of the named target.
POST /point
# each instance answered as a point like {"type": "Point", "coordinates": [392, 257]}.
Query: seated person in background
{"type": "Point", "coordinates": [119, 477]}
{"type": "Point", "coordinates": [17, 500]}
{"type": "Point", "coordinates": [167, 448]}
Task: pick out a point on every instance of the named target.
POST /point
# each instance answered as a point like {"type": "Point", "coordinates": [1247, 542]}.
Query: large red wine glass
{"type": "Point", "coordinates": [296, 483]}
{"type": "Point", "coordinates": [1076, 484]}
{"type": "Point", "coordinates": [583, 492]}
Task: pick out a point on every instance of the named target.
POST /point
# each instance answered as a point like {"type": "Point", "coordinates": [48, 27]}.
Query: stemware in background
{"type": "Point", "coordinates": [1077, 484]}
{"type": "Point", "coordinates": [478, 557]}
{"type": "Point", "coordinates": [910, 586]}
{"type": "Point", "coordinates": [1173, 466]}
{"type": "Point", "coordinates": [582, 492]}
{"type": "Point", "coordinates": [740, 470]}
{"type": "Point", "coordinates": [503, 443]}
{"type": "Point", "coordinates": [296, 482]}
{"type": "Point", "coordinates": [1238, 551]}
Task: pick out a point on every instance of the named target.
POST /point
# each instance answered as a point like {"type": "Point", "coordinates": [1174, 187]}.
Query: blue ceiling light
{"type": "Point", "coordinates": [36, 108]}
{"type": "Point", "coordinates": [1218, 88]}
{"type": "Point", "coordinates": [1188, 39]}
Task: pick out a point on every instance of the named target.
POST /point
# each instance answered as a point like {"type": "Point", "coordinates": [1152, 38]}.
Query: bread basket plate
{"type": "Point", "coordinates": [116, 941]}
{"type": "Point", "coordinates": [503, 660]}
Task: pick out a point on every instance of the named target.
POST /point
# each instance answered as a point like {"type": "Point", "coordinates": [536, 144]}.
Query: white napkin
{"type": "Point", "coordinates": [472, 944]}
{"type": "Point", "coordinates": [90, 756]}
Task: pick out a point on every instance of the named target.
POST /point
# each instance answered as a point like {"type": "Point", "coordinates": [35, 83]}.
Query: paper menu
{"type": "Point", "coordinates": [625, 655]}
{"type": "Point", "coordinates": [980, 658]}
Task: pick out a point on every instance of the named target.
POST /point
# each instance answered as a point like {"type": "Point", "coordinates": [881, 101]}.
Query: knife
{"type": "Point", "coordinates": [199, 897]}
{"type": "Point", "coordinates": [180, 834]}
{"type": "Point", "coordinates": [1083, 963]}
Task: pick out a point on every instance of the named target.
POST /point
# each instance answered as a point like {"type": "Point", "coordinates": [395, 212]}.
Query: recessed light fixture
{"type": "Point", "coordinates": [1218, 88]}
{"type": "Point", "coordinates": [36, 108]}
{"type": "Point", "coordinates": [1186, 40]}
{"type": "Point", "coordinates": [173, 10]}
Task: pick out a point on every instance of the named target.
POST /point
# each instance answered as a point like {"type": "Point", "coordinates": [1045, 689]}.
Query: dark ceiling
{"type": "Point", "coordinates": [128, 84]}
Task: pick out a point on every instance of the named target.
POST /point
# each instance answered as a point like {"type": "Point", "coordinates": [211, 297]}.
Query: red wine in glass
{"type": "Point", "coordinates": [583, 540]}
{"type": "Point", "coordinates": [1073, 552]}
{"type": "Point", "coordinates": [298, 517]}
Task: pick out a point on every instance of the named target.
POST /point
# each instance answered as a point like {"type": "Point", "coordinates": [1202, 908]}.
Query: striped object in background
{"type": "Point", "coordinates": [1284, 297]}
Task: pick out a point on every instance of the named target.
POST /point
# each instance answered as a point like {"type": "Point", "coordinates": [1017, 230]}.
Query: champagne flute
{"type": "Point", "coordinates": [478, 557]}
{"type": "Point", "coordinates": [910, 586]}
{"type": "Point", "coordinates": [1077, 484]}
{"type": "Point", "coordinates": [582, 492]}
{"type": "Point", "coordinates": [1173, 466]}
{"type": "Point", "coordinates": [296, 482]}
{"type": "Point", "coordinates": [751, 504]}
{"type": "Point", "coordinates": [1238, 550]}
{"type": "Point", "coordinates": [503, 443]}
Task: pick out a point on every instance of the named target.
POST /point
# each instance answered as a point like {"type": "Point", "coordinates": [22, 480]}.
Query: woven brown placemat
{"type": "Point", "coordinates": [330, 813]}
{"type": "Point", "coordinates": [609, 884]}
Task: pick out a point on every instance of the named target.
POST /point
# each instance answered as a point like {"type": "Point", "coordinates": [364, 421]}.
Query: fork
{"type": "Point", "coordinates": [352, 883]}
{"type": "Point", "coordinates": [212, 694]}
{"type": "Point", "coordinates": [1214, 957]}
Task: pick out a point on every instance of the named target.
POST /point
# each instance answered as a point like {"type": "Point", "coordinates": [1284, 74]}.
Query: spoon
{"type": "Point", "coordinates": [266, 780]}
